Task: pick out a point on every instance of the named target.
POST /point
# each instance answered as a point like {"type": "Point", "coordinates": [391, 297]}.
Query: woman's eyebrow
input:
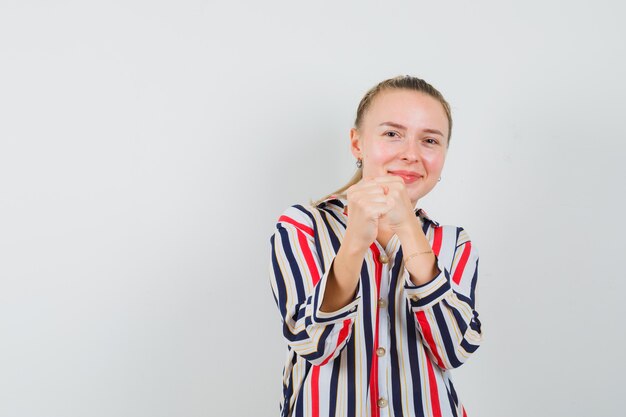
{"type": "Point", "coordinates": [399, 126]}
{"type": "Point", "coordinates": [435, 131]}
{"type": "Point", "coordinates": [393, 124]}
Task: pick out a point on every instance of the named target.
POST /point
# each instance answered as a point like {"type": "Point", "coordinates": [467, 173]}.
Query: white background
{"type": "Point", "coordinates": [148, 147]}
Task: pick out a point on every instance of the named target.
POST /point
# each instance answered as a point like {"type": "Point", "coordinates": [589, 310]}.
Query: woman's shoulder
{"type": "Point", "coordinates": [313, 218]}
{"type": "Point", "coordinates": [312, 208]}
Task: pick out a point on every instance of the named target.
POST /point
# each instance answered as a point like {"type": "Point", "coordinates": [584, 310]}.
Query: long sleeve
{"type": "Point", "coordinates": [444, 308]}
{"type": "Point", "coordinates": [298, 276]}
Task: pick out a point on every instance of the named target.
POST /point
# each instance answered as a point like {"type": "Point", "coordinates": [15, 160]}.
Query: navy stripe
{"type": "Point", "coordinates": [294, 337]}
{"type": "Point", "coordinates": [456, 247]}
{"type": "Point", "coordinates": [458, 318]}
{"type": "Point", "coordinates": [293, 264]}
{"type": "Point", "coordinates": [475, 323]}
{"type": "Point", "coordinates": [333, 213]}
{"type": "Point", "coordinates": [396, 389]}
{"type": "Point", "coordinates": [305, 211]}
{"type": "Point", "coordinates": [288, 389]}
{"type": "Point", "coordinates": [469, 348]}
{"type": "Point", "coordinates": [421, 302]}
{"type": "Point", "coordinates": [334, 317]}
{"type": "Point", "coordinates": [301, 335]}
{"type": "Point", "coordinates": [414, 364]}
{"type": "Point", "coordinates": [451, 402]}
{"type": "Point", "coordinates": [299, 410]}
{"type": "Point", "coordinates": [331, 233]}
{"type": "Point", "coordinates": [445, 336]}
{"type": "Point", "coordinates": [453, 392]}
{"type": "Point", "coordinates": [330, 201]}
{"type": "Point", "coordinates": [333, 388]}
{"type": "Point", "coordinates": [320, 345]}
{"type": "Point", "coordinates": [351, 377]}
{"type": "Point", "coordinates": [458, 234]}
{"type": "Point", "coordinates": [318, 247]}
{"type": "Point", "coordinates": [280, 283]}
{"type": "Point", "coordinates": [473, 285]}
{"type": "Point", "coordinates": [425, 226]}
{"type": "Point", "coordinates": [462, 298]}
{"type": "Point", "coordinates": [366, 312]}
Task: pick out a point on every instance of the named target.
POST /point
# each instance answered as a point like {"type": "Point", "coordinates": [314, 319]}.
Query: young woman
{"type": "Point", "coordinates": [377, 298]}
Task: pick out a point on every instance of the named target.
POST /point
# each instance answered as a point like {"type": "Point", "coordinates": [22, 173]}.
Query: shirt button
{"type": "Point", "coordinates": [382, 402]}
{"type": "Point", "coordinates": [383, 258]}
{"type": "Point", "coordinates": [382, 303]}
{"type": "Point", "coordinates": [380, 351]}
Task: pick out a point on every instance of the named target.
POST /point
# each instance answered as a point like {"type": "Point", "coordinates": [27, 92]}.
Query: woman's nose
{"type": "Point", "coordinates": [411, 151]}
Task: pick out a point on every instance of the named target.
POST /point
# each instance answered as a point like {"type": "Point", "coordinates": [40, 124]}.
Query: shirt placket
{"type": "Point", "coordinates": [382, 351]}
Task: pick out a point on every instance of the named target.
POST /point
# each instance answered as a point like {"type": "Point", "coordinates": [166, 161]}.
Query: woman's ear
{"type": "Point", "coordinates": [355, 143]}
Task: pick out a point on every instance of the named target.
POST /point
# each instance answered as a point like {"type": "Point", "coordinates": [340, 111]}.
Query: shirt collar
{"type": "Point", "coordinates": [342, 202]}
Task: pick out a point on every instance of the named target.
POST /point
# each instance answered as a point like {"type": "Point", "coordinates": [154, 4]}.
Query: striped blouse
{"type": "Point", "coordinates": [388, 352]}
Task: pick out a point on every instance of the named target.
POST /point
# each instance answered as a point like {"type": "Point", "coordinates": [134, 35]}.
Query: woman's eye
{"type": "Point", "coordinates": [392, 134]}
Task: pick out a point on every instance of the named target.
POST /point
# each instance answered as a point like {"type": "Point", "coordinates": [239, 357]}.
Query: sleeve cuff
{"type": "Point", "coordinates": [426, 295]}
{"type": "Point", "coordinates": [323, 317]}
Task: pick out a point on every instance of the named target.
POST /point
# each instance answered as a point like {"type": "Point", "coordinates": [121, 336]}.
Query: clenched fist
{"type": "Point", "coordinates": [375, 204]}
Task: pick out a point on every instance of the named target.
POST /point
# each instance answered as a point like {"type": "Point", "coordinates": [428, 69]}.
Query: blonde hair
{"type": "Point", "coordinates": [402, 82]}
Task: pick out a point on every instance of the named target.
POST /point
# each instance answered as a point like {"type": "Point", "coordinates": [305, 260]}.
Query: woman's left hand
{"type": "Point", "coordinates": [401, 213]}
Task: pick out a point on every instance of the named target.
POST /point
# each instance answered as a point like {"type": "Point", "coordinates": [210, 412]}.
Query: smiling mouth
{"type": "Point", "coordinates": [407, 177]}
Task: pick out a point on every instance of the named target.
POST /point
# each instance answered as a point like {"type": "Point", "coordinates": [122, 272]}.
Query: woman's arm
{"type": "Point", "coordinates": [343, 278]}
{"type": "Point", "coordinates": [300, 280]}
{"type": "Point", "coordinates": [444, 306]}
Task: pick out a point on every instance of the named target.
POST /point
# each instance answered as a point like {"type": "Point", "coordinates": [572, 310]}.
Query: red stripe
{"type": "Point", "coordinates": [437, 240]}
{"type": "Point", "coordinates": [428, 335]}
{"type": "Point", "coordinates": [434, 393]}
{"type": "Point", "coordinates": [464, 413]}
{"type": "Point", "coordinates": [315, 391]}
{"type": "Point", "coordinates": [304, 244]}
{"type": "Point", "coordinates": [299, 226]}
{"type": "Point", "coordinates": [315, 375]}
{"type": "Point", "coordinates": [343, 334]}
{"type": "Point", "coordinates": [374, 370]}
{"type": "Point", "coordinates": [458, 273]}
{"type": "Point", "coordinates": [308, 257]}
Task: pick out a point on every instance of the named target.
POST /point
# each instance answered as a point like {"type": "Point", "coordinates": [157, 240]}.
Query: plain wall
{"type": "Point", "coordinates": [147, 149]}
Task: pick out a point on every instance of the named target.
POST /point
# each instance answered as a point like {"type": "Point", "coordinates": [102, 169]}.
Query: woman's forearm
{"type": "Point", "coordinates": [422, 268]}
{"type": "Point", "coordinates": [343, 276]}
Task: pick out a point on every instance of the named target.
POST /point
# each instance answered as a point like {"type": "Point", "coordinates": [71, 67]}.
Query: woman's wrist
{"type": "Point", "coordinates": [410, 230]}
{"type": "Point", "coordinates": [353, 247]}
{"type": "Point", "coordinates": [420, 261]}
{"type": "Point", "coordinates": [422, 271]}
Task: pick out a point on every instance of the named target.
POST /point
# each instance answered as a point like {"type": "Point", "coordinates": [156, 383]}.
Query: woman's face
{"type": "Point", "coordinates": [403, 133]}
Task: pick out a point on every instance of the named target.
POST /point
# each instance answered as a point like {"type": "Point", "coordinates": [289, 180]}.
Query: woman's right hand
{"type": "Point", "coordinates": [367, 202]}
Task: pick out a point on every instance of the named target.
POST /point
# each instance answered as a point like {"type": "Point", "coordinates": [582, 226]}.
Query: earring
{"type": "Point", "coordinates": [359, 163]}
{"type": "Point", "coordinates": [439, 179]}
